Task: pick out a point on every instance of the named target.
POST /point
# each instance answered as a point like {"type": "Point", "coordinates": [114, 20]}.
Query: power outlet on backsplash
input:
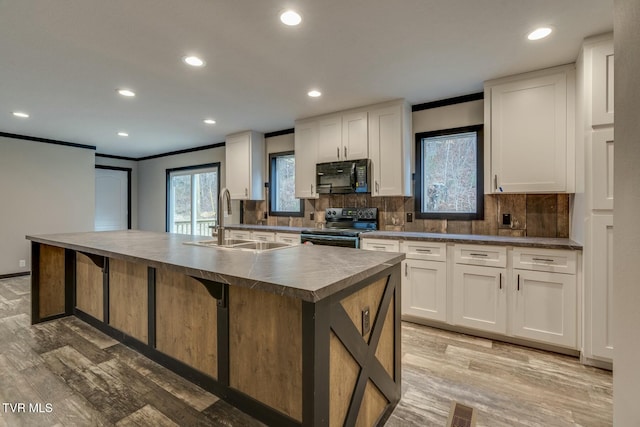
{"type": "Point", "coordinates": [311, 216]}
{"type": "Point", "coordinates": [409, 217]}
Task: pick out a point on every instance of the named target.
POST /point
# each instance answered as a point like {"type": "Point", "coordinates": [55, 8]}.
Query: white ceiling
{"type": "Point", "coordinates": [62, 60]}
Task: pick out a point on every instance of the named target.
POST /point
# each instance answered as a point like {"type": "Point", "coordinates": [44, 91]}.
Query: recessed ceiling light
{"type": "Point", "coordinates": [126, 92]}
{"type": "Point", "coordinates": [21, 114]}
{"type": "Point", "coordinates": [194, 61]}
{"type": "Point", "coordinates": [314, 93]}
{"type": "Point", "coordinates": [539, 33]}
{"type": "Point", "coordinates": [209, 121]}
{"type": "Point", "coordinates": [290, 18]}
{"type": "Point", "coordinates": [123, 134]}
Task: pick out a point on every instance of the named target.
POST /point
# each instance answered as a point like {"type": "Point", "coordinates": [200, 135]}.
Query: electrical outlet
{"type": "Point", "coordinates": [506, 219]}
{"type": "Point", "coordinates": [265, 215]}
{"type": "Point", "coordinates": [366, 321]}
{"type": "Point", "coordinates": [22, 263]}
{"type": "Point", "coordinates": [409, 217]}
{"type": "Point", "coordinates": [311, 216]}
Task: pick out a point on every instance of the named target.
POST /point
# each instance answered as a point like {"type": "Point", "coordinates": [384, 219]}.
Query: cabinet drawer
{"type": "Point", "coordinates": [288, 238]}
{"type": "Point", "coordinates": [380, 245]}
{"type": "Point", "coordinates": [552, 260]}
{"type": "Point", "coordinates": [431, 251]}
{"type": "Point", "coordinates": [264, 236]}
{"type": "Point", "coordinates": [489, 256]}
{"type": "Point", "coordinates": [241, 235]}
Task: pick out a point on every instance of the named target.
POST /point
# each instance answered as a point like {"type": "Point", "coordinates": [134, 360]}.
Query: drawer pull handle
{"type": "Point", "coordinates": [428, 251]}
{"type": "Point", "coordinates": [406, 270]}
{"type": "Point", "coordinates": [518, 282]}
{"type": "Point", "coordinates": [544, 259]}
{"type": "Point", "coordinates": [482, 255]}
{"type": "Point", "coordinates": [500, 280]}
{"type": "Point", "coordinates": [379, 247]}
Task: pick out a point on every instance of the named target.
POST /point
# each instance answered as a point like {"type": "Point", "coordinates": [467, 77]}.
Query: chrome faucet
{"type": "Point", "coordinates": [224, 195]}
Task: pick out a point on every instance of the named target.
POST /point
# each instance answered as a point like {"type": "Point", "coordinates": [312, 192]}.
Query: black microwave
{"type": "Point", "coordinates": [343, 177]}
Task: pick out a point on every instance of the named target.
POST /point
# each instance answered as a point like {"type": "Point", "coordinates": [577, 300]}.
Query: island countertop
{"type": "Point", "coordinates": [309, 273]}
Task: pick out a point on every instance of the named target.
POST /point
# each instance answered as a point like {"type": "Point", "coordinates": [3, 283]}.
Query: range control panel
{"type": "Point", "coordinates": [351, 214]}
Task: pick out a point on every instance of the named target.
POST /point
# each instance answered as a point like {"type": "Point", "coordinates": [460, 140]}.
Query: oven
{"type": "Point", "coordinates": [343, 227]}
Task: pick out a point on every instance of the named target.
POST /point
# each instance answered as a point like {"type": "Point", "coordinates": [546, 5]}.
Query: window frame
{"type": "Point", "coordinates": [190, 170]}
{"type": "Point", "coordinates": [272, 193]}
{"type": "Point", "coordinates": [419, 175]}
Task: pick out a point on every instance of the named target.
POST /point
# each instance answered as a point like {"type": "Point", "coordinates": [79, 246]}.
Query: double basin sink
{"type": "Point", "coordinates": [241, 245]}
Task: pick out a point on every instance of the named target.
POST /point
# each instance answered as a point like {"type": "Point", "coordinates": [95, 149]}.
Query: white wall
{"type": "Point", "coordinates": [626, 243]}
{"type": "Point", "coordinates": [44, 188]}
{"type": "Point", "coordinates": [152, 186]}
{"type": "Point", "coordinates": [133, 165]}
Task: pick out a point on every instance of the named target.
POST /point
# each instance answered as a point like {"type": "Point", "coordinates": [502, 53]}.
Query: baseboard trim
{"type": "Point", "coordinates": [11, 275]}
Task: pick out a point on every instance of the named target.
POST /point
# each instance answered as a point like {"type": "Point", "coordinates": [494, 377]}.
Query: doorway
{"type": "Point", "coordinates": [113, 198]}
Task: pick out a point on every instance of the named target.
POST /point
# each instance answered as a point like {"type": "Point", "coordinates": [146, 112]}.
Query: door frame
{"type": "Point", "coordinates": [128, 171]}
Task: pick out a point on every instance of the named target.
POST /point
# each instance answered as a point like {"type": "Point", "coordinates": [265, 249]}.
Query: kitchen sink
{"type": "Point", "coordinates": [241, 245]}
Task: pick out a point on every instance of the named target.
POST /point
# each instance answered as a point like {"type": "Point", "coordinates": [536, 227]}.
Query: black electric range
{"type": "Point", "coordinates": [343, 227]}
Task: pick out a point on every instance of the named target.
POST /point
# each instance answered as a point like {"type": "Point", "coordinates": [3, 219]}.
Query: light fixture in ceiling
{"type": "Point", "coordinates": [290, 18]}
{"type": "Point", "coordinates": [126, 92]}
{"type": "Point", "coordinates": [314, 93]}
{"type": "Point", "coordinates": [21, 114]}
{"type": "Point", "coordinates": [539, 33]}
{"type": "Point", "coordinates": [209, 121]}
{"type": "Point", "coordinates": [123, 134]}
{"type": "Point", "coordinates": [194, 61]}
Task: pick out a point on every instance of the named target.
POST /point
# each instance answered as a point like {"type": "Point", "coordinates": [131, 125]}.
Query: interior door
{"type": "Point", "coordinates": [112, 199]}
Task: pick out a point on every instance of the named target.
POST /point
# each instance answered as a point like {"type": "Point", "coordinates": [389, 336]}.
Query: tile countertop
{"type": "Point", "coordinates": [305, 272]}
{"type": "Point", "coordinates": [477, 239]}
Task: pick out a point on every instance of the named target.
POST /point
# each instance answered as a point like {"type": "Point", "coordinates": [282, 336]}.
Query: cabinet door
{"type": "Point", "coordinates": [602, 169]}
{"type": "Point", "coordinates": [602, 286]}
{"type": "Point", "coordinates": [288, 238]}
{"type": "Point", "coordinates": [306, 146]}
{"type": "Point", "coordinates": [382, 245]}
{"type": "Point", "coordinates": [424, 289]}
{"type": "Point", "coordinates": [385, 150]}
{"type": "Point", "coordinates": [545, 307]}
{"type": "Point", "coordinates": [330, 139]}
{"type": "Point", "coordinates": [529, 135]}
{"type": "Point", "coordinates": [240, 234]}
{"type": "Point", "coordinates": [480, 298]}
{"type": "Point", "coordinates": [265, 236]}
{"type": "Point", "coordinates": [602, 84]}
{"type": "Point", "coordinates": [238, 165]}
{"type": "Point", "coordinates": [355, 136]}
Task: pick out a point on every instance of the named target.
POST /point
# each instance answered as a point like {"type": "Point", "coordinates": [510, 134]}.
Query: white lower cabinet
{"type": "Point", "coordinates": [480, 298]}
{"type": "Point", "coordinates": [265, 236]}
{"type": "Point", "coordinates": [544, 307]}
{"type": "Point", "coordinates": [601, 287]}
{"type": "Point", "coordinates": [424, 289]}
{"type": "Point", "coordinates": [240, 234]}
{"type": "Point", "coordinates": [380, 245]}
{"type": "Point", "coordinates": [288, 238]}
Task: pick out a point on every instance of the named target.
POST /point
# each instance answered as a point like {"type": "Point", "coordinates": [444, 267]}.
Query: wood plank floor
{"type": "Point", "coordinates": [81, 377]}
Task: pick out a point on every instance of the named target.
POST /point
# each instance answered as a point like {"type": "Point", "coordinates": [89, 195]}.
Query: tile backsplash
{"type": "Point", "coordinates": [533, 215]}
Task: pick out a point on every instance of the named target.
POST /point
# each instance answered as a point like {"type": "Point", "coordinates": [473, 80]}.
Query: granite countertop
{"type": "Point", "coordinates": [478, 239]}
{"type": "Point", "coordinates": [306, 272]}
{"type": "Point", "coordinates": [274, 228]}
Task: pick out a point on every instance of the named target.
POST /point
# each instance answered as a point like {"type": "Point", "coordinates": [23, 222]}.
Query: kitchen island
{"type": "Point", "coordinates": [304, 335]}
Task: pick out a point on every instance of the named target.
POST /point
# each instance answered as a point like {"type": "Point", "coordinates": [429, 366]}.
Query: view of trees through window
{"type": "Point", "coordinates": [283, 199]}
{"type": "Point", "coordinates": [193, 201]}
{"type": "Point", "coordinates": [450, 176]}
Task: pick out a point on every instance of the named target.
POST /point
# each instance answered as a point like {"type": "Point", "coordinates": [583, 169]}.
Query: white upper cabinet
{"type": "Point", "coordinates": [342, 137]}
{"type": "Point", "coordinates": [602, 169]}
{"type": "Point", "coordinates": [602, 84]}
{"type": "Point", "coordinates": [390, 149]}
{"type": "Point", "coordinates": [355, 136]}
{"type": "Point", "coordinates": [306, 153]}
{"type": "Point", "coordinates": [244, 164]}
{"type": "Point", "coordinates": [529, 132]}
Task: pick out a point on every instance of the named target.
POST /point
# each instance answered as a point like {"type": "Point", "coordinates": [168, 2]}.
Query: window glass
{"type": "Point", "coordinates": [192, 199]}
{"type": "Point", "coordinates": [449, 165]}
{"type": "Point", "coordinates": [282, 199]}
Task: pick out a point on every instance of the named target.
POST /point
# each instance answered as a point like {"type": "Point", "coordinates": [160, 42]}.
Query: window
{"type": "Point", "coordinates": [282, 199]}
{"type": "Point", "coordinates": [192, 199]}
{"type": "Point", "coordinates": [449, 174]}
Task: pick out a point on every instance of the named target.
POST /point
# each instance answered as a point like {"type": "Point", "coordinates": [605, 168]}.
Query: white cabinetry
{"type": "Point", "coordinates": [343, 137]}
{"type": "Point", "coordinates": [597, 116]}
{"type": "Point", "coordinates": [306, 153]}
{"type": "Point", "coordinates": [545, 302]}
{"type": "Point", "coordinates": [529, 131]}
{"type": "Point", "coordinates": [244, 164]}
{"type": "Point", "coordinates": [380, 245]}
{"type": "Point", "coordinates": [479, 288]}
{"type": "Point", "coordinates": [265, 236]}
{"type": "Point", "coordinates": [424, 280]}
{"type": "Point", "coordinates": [240, 234]}
{"type": "Point", "coordinates": [390, 149]}
{"type": "Point", "coordinates": [601, 275]}
{"type": "Point", "coordinates": [288, 238]}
